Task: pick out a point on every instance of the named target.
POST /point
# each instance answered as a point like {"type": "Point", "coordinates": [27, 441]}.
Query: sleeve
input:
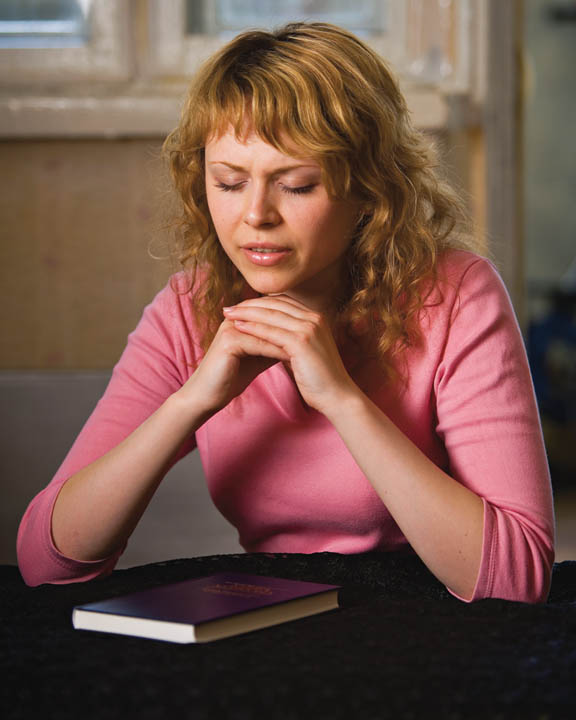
{"type": "Point", "coordinates": [157, 360]}
{"type": "Point", "coordinates": [489, 422]}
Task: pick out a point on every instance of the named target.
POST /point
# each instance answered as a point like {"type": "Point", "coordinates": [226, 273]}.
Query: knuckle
{"type": "Point", "coordinates": [227, 338]}
{"type": "Point", "coordinates": [306, 334]}
{"type": "Point", "coordinates": [311, 328]}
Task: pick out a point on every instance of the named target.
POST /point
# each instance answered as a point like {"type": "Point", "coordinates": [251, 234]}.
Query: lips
{"type": "Point", "coordinates": [265, 255]}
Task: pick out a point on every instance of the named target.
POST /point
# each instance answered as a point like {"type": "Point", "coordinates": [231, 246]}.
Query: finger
{"type": "Point", "coordinates": [284, 310]}
{"type": "Point", "coordinates": [278, 302]}
{"type": "Point", "coordinates": [273, 334]}
{"type": "Point", "coordinates": [268, 316]}
{"type": "Point", "coordinates": [281, 297]}
{"type": "Point", "coordinates": [242, 343]}
{"type": "Point", "coordinates": [289, 300]}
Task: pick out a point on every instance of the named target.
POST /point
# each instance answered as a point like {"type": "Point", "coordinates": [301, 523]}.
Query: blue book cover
{"type": "Point", "coordinates": [207, 608]}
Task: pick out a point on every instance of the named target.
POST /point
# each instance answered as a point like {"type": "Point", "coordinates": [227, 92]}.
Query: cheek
{"type": "Point", "coordinates": [221, 211]}
{"type": "Point", "coordinates": [315, 218]}
{"type": "Point", "coordinates": [211, 206]}
{"type": "Point", "coordinates": [337, 225]}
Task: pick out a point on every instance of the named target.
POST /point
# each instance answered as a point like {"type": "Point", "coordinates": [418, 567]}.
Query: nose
{"type": "Point", "coordinates": [261, 211]}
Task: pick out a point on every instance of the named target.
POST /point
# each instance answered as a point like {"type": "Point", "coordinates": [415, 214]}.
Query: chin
{"type": "Point", "coordinates": [268, 285]}
{"type": "Point", "coordinates": [270, 288]}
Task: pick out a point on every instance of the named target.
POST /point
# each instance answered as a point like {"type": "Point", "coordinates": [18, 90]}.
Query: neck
{"type": "Point", "coordinates": [323, 294]}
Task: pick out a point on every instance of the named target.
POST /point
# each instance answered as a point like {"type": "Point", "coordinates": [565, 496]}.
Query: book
{"type": "Point", "coordinates": [207, 608]}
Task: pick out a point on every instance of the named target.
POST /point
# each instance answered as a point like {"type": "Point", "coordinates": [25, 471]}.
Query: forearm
{"type": "Point", "coordinates": [441, 519]}
{"type": "Point", "coordinates": [98, 508]}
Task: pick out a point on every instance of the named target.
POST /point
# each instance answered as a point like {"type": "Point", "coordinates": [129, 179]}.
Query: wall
{"type": "Point", "coordinates": [550, 221]}
{"type": "Point", "coordinates": [549, 144]}
{"type": "Point", "coordinates": [77, 221]}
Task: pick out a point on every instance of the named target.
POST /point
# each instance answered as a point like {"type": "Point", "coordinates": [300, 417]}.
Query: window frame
{"type": "Point", "coordinates": [106, 56]}
{"type": "Point", "coordinates": [171, 49]}
{"type": "Point", "coordinates": [131, 79]}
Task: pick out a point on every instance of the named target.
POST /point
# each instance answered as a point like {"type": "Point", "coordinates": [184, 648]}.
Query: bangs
{"type": "Point", "coordinates": [285, 102]}
{"type": "Point", "coordinates": [309, 90]}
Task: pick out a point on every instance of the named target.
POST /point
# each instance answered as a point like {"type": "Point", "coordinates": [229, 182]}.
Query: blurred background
{"type": "Point", "coordinates": [88, 91]}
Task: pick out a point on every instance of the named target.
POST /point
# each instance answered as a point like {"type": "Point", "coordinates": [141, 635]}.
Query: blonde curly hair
{"type": "Point", "coordinates": [324, 90]}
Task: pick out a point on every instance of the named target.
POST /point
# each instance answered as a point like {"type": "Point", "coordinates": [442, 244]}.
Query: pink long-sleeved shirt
{"type": "Point", "coordinates": [279, 471]}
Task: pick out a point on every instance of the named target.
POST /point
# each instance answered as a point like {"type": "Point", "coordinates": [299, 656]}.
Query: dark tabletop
{"type": "Point", "coordinates": [400, 646]}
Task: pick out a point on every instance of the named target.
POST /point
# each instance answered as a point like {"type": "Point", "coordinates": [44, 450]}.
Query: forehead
{"type": "Point", "coordinates": [230, 147]}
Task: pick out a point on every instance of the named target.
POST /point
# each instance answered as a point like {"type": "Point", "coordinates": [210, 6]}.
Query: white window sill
{"type": "Point", "coordinates": [156, 114]}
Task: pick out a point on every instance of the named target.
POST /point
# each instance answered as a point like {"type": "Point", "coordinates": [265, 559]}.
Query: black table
{"type": "Point", "coordinates": [399, 647]}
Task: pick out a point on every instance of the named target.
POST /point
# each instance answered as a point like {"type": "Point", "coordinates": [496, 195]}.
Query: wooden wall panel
{"type": "Point", "coordinates": [76, 220]}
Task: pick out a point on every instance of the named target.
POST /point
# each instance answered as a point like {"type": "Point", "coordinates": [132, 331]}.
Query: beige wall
{"type": "Point", "coordinates": [76, 220]}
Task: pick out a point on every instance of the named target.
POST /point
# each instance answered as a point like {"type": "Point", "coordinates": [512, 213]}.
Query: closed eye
{"type": "Point", "coordinates": [303, 190]}
{"type": "Point", "coordinates": [229, 188]}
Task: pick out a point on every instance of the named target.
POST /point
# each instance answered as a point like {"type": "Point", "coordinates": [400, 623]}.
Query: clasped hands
{"type": "Point", "coordinates": [259, 332]}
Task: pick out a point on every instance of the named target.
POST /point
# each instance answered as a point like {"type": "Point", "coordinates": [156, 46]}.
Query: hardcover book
{"type": "Point", "coordinates": [207, 608]}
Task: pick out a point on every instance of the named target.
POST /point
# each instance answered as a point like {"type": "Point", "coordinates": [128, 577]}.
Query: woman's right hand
{"type": "Point", "coordinates": [232, 362]}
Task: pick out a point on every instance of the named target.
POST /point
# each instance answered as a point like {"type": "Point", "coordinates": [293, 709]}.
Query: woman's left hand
{"type": "Point", "coordinates": [306, 338]}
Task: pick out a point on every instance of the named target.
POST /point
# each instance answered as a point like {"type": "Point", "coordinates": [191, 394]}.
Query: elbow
{"type": "Point", "coordinates": [30, 575]}
{"type": "Point", "coordinates": [536, 587]}
{"type": "Point", "coordinates": [517, 557]}
{"type": "Point", "coordinates": [39, 560]}
{"type": "Point", "coordinates": [36, 568]}
{"type": "Point", "coordinates": [527, 576]}
{"type": "Point", "coordinates": [42, 571]}
{"type": "Point", "coordinates": [29, 556]}
{"type": "Point", "coordinates": [41, 565]}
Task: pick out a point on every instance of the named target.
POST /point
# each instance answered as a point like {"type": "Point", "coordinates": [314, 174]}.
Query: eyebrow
{"type": "Point", "coordinates": [277, 171]}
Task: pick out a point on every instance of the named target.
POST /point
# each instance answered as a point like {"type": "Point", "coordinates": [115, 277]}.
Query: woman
{"type": "Point", "coordinates": [353, 377]}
